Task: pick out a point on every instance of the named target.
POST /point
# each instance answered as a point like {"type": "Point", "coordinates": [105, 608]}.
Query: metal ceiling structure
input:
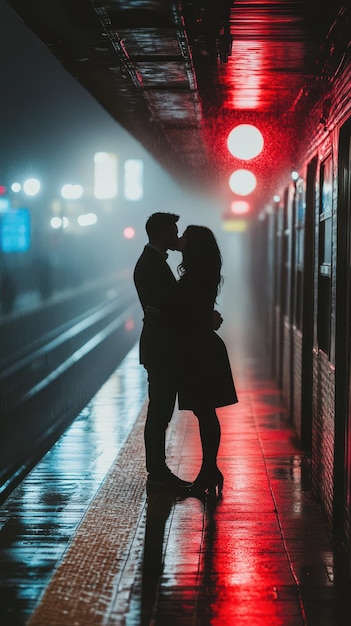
{"type": "Point", "coordinates": [180, 75]}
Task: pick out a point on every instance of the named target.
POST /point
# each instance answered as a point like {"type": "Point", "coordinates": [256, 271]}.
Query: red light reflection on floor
{"type": "Point", "coordinates": [235, 553]}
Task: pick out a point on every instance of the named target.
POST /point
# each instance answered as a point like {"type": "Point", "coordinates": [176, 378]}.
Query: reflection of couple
{"type": "Point", "coordinates": [179, 347]}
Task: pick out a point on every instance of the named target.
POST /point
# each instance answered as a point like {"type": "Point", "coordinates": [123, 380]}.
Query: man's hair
{"type": "Point", "coordinates": [158, 222]}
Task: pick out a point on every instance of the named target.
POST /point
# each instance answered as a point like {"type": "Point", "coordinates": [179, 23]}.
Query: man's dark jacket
{"type": "Point", "coordinates": [156, 286]}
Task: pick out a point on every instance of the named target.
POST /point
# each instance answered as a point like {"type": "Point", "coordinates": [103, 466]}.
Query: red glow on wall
{"type": "Point", "coordinates": [247, 79]}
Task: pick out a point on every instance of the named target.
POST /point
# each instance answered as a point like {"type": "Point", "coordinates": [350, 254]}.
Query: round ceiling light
{"type": "Point", "coordinates": [245, 141]}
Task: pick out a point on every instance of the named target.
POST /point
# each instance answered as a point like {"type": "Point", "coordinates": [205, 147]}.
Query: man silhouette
{"type": "Point", "coordinates": [156, 286]}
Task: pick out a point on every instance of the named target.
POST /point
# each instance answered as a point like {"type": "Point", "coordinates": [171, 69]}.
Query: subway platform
{"type": "Point", "coordinates": [83, 544]}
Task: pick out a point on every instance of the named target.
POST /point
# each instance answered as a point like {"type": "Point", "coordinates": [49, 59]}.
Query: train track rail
{"type": "Point", "coordinates": [56, 360]}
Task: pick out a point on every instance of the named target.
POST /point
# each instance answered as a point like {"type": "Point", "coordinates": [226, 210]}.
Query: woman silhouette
{"type": "Point", "coordinates": [205, 377]}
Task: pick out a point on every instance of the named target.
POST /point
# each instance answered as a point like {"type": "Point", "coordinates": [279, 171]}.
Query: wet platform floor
{"type": "Point", "coordinates": [82, 543]}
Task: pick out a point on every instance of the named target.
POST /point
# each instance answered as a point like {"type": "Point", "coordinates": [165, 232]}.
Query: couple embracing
{"type": "Point", "coordinates": [179, 348]}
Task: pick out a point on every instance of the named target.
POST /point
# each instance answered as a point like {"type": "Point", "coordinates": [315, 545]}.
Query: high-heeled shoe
{"type": "Point", "coordinates": [209, 482]}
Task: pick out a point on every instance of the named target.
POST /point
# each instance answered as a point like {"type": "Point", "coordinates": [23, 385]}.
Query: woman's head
{"type": "Point", "coordinates": [201, 255]}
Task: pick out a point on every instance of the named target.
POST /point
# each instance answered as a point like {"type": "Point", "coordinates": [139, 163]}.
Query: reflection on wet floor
{"type": "Point", "coordinates": [82, 529]}
{"type": "Point", "coordinates": [261, 554]}
{"type": "Point", "coordinates": [39, 518]}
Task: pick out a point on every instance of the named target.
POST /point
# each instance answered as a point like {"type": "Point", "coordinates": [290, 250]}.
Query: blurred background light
{"type": "Point", "coordinates": [239, 207]}
{"type": "Point", "coordinates": [242, 182]}
{"type": "Point", "coordinates": [245, 141]}
{"type": "Point", "coordinates": [59, 222]}
{"type": "Point", "coordinates": [71, 192]}
{"type": "Point", "coordinates": [15, 231]}
{"type": "Point", "coordinates": [129, 324]}
{"type": "Point", "coordinates": [294, 175]}
{"type": "Point", "coordinates": [234, 226]}
{"type": "Point", "coordinates": [16, 187]}
{"type": "Point", "coordinates": [105, 175]}
{"type": "Point", "coordinates": [56, 222]}
{"type": "Point", "coordinates": [87, 219]}
{"type": "Point", "coordinates": [4, 204]}
{"type": "Point", "coordinates": [129, 232]}
{"type": "Point", "coordinates": [133, 179]}
{"type": "Point", "coordinates": [276, 198]}
{"type": "Point", "coordinates": [31, 186]}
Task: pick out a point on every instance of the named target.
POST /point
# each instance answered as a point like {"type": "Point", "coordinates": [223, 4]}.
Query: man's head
{"type": "Point", "coordinates": [162, 230]}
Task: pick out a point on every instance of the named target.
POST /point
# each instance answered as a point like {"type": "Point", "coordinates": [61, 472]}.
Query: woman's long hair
{"type": "Point", "coordinates": [202, 260]}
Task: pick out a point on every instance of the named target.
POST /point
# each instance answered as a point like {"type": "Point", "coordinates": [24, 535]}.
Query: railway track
{"type": "Point", "coordinates": [53, 360]}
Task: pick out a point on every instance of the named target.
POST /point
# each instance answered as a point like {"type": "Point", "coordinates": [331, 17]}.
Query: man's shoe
{"type": "Point", "coordinates": [167, 479]}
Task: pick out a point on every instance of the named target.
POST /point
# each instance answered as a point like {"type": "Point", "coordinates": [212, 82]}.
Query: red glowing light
{"type": "Point", "coordinates": [240, 207]}
{"type": "Point", "coordinates": [245, 141]}
{"type": "Point", "coordinates": [129, 325]}
{"type": "Point", "coordinates": [129, 232]}
{"type": "Point", "coordinates": [242, 182]}
{"type": "Point", "coordinates": [247, 75]}
{"type": "Point", "coordinates": [2, 190]}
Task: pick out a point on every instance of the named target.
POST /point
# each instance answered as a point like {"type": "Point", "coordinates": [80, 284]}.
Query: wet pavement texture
{"type": "Point", "coordinates": [83, 543]}
{"type": "Point", "coordinates": [39, 518]}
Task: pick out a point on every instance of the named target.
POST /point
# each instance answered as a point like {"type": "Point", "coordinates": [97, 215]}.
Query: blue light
{"type": "Point", "coordinates": [15, 231]}
{"type": "Point", "coordinates": [4, 204]}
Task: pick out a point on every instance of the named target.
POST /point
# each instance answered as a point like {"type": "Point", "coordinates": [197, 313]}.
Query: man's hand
{"type": "Point", "coordinates": [217, 320]}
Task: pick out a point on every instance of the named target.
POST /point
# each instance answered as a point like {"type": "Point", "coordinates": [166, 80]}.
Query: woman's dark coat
{"type": "Point", "coordinates": [205, 375]}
